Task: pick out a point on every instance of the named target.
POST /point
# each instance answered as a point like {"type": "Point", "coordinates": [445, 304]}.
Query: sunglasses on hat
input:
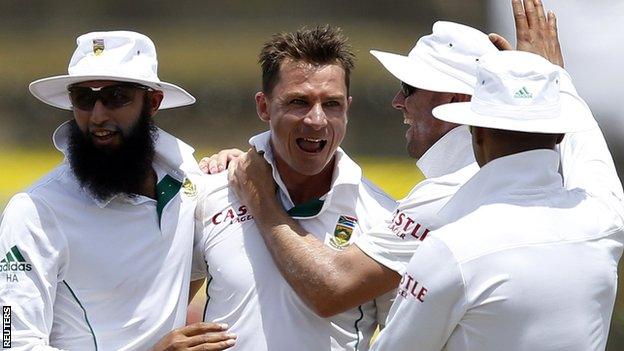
{"type": "Point", "coordinates": [111, 96]}
{"type": "Point", "coordinates": [407, 89]}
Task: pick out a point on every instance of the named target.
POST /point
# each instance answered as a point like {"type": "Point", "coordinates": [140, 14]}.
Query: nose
{"type": "Point", "coordinates": [399, 100]}
{"type": "Point", "coordinates": [316, 117]}
{"type": "Point", "coordinates": [99, 114]}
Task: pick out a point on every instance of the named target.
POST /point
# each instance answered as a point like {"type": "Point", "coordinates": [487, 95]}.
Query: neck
{"type": "Point", "coordinates": [303, 188]}
{"type": "Point", "coordinates": [149, 185]}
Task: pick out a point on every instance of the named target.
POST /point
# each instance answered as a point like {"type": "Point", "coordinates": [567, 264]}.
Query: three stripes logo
{"type": "Point", "coordinates": [14, 262]}
{"type": "Point", "coordinates": [523, 94]}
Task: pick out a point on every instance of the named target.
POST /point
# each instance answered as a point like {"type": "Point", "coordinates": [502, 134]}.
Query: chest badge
{"type": "Point", "coordinates": [188, 188]}
{"type": "Point", "coordinates": [343, 231]}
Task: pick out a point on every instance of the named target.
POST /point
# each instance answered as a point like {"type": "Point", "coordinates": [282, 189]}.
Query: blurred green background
{"type": "Point", "coordinates": [210, 48]}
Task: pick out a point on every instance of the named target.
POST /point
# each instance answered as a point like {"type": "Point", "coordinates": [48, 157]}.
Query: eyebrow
{"type": "Point", "coordinates": [298, 95]}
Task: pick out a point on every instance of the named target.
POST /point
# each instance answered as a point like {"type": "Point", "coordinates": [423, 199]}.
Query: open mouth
{"type": "Point", "coordinates": [311, 145]}
{"type": "Point", "coordinates": [103, 135]}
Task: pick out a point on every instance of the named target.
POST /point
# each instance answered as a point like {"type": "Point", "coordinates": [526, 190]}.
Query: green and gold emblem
{"type": "Point", "coordinates": [98, 46]}
{"type": "Point", "coordinates": [188, 188]}
{"type": "Point", "coordinates": [343, 231]}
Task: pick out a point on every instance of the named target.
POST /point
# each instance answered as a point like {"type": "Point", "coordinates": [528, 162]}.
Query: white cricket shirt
{"type": "Point", "coordinates": [448, 164]}
{"type": "Point", "coordinates": [246, 289]}
{"type": "Point", "coordinates": [524, 263]}
{"type": "Point", "coordinates": [84, 274]}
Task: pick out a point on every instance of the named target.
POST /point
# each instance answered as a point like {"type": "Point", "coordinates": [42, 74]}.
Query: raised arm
{"type": "Point", "coordinates": [329, 281]}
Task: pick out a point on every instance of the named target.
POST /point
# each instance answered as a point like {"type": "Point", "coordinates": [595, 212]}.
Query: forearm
{"type": "Point", "coordinates": [310, 267]}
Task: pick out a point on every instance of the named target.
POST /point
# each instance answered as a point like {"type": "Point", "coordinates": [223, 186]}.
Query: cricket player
{"type": "Point", "coordinates": [526, 261]}
{"type": "Point", "coordinates": [440, 69]}
{"type": "Point", "coordinates": [305, 101]}
{"type": "Point", "coordinates": [97, 254]}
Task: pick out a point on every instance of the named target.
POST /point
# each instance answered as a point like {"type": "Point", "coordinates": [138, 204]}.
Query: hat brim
{"type": "Point", "coordinates": [575, 116]}
{"type": "Point", "coordinates": [421, 74]}
{"type": "Point", "coordinates": [53, 90]}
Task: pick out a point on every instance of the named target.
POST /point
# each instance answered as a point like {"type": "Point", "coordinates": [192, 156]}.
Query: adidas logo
{"type": "Point", "coordinates": [523, 94]}
{"type": "Point", "coordinates": [14, 262]}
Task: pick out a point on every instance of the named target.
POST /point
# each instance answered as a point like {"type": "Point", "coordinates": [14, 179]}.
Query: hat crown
{"type": "Point", "coordinates": [454, 49]}
{"type": "Point", "coordinates": [116, 53]}
{"type": "Point", "coordinates": [517, 81]}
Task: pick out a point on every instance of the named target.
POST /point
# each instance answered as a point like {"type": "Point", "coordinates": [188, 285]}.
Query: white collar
{"type": "Point", "coordinates": [346, 171]}
{"type": "Point", "coordinates": [522, 174]}
{"type": "Point", "coordinates": [171, 154]}
{"type": "Point", "coordinates": [449, 154]}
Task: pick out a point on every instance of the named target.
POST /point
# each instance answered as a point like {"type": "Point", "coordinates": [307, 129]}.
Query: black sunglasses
{"type": "Point", "coordinates": [407, 89]}
{"type": "Point", "coordinates": [112, 96]}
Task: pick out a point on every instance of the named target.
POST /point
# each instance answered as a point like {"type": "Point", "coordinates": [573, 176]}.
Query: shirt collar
{"type": "Point", "coordinates": [346, 171]}
{"type": "Point", "coordinates": [171, 154]}
{"type": "Point", "coordinates": [449, 154]}
{"type": "Point", "coordinates": [523, 174]}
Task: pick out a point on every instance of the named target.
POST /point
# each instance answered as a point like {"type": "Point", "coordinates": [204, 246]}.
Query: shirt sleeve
{"type": "Point", "coordinates": [586, 163]}
{"type": "Point", "coordinates": [33, 263]}
{"type": "Point", "coordinates": [430, 302]}
{"type": "Point", "coordinates": [389, 245]}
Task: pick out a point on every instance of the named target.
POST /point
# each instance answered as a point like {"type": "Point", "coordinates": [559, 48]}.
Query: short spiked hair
{"type": "Point", "coordinates": [321, 45]}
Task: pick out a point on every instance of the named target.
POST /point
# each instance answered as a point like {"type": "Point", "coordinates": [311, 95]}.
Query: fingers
{"type": "Point", "coordinates": [541, 17]}
{"type": "Point", "coordinates": [212, 341]}
{"type": "Point", "coordinates": [531, 14]}
{"type": "Point", "coordinates": [554, 38]}
{"type": "Point", "coordinates": [500, 42]}
{"type": "Point", "coordinates": [202, 328]}
{"type": "Point", "coordinates": [520, 18]}
{"type": "Point", "coordinates": [203, 164]}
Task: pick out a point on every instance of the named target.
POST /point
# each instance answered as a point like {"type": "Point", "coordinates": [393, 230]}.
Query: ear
{"type": "Point", "coordinates": [457, 97]}
{"type": "Point", "coordinates": [155, 98]}
{"type": "Point", "coordinates": [262, 106]}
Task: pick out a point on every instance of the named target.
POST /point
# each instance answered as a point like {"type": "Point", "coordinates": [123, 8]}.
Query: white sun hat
{"type": "Point", "coordinates": [520, 91]}
{"type": "Point", "coordinates": [119, 56]}
{"type": "Point", "coordinates": [444, 61]}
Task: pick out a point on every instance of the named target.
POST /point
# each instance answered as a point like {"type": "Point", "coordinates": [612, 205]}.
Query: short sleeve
{"type": "Point", "coordinates": [430, 302]}
{"type": "Point", "coordinates": [389, 247]}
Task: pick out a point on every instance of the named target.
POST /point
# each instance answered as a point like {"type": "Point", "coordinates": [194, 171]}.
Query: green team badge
{"type": "Point", "coordinates": [189, 188]}
{"type": "Point", "coordinates": [343, 231]}
{"type": "Point", "coordinates": [98, 46]}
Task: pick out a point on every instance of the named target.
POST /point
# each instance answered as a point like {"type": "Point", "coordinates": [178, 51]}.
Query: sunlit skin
{"type": "Point", "coordinates": [307, 114]}
{"type": "Point", "coordinates": [424, 128]}
{"type": "Point", "coordinates": [104, 125]}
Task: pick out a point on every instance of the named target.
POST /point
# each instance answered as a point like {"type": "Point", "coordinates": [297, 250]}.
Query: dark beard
{"type": "Point", "coordinates": [106, 172]}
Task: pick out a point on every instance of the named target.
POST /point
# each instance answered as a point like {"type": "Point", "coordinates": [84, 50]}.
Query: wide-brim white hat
{"type": "Point", "coordinates": [116, 56]}
{"type": "Point", "coordinates": [444, 61]}
{"type": "Point", "coordinates": [521, 91]}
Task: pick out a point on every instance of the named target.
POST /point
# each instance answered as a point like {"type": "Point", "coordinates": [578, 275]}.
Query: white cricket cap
{"type": "Point", "coordinates": [520, 91]}
{"type": "Point", "coordinates": [444, 61]}
{"type": "Point", "coordinates": [119, 56]}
